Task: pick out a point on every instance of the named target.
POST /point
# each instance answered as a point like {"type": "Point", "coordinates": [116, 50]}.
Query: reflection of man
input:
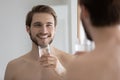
{"type": "Point", "coordinates": [102, 21]}
{"type": "Point", "coordinates": [40, 24]}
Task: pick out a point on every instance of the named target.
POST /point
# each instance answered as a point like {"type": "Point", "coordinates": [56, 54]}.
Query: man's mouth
{"type": "Point", "coordinates": [43, 36]}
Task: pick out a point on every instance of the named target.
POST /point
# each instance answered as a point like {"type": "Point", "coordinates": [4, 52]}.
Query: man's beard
{"type": "Point", "coordinates": [86, 31]}
{"type": "Point", "coordinates": [34, 40]}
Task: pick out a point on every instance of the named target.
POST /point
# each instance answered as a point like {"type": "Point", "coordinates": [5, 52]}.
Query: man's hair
{"type": "Point", "coordinates": [40, 9]}
{"type": "Point", "coordinates": [103, 12]}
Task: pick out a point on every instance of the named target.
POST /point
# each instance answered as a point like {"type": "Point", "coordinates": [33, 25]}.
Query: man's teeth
{"type": "Point", "coordinates": [43, 36]}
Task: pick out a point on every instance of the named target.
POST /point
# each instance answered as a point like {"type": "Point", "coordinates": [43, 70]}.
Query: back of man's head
{"type": "Point", "coordinates": [102, 12]}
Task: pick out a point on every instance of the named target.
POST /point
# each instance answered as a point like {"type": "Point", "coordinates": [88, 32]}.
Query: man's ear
{"type": "Point", "coordinates": [28, 29]}
{"type": "Point", "coordinates": [84, 12]}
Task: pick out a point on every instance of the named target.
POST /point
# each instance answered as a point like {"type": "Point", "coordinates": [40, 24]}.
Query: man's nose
{"type": "Point", "coordinates": [44, 29]}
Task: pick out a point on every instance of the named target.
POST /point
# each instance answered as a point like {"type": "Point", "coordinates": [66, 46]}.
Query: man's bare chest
{"type": "Point", "coordinates": [28, 72]}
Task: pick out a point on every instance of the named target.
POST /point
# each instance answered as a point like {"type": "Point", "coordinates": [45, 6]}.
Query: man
{"type": "Point", "coordinates": [39, 63]}
{"type": "Point", "coordinates": [102, 22]}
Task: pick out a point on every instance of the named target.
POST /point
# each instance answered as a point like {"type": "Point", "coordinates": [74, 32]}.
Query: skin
{"type": "Point", "coordinates": [32, 67]}
{"type": "Point", "coordinates": [103, 63]}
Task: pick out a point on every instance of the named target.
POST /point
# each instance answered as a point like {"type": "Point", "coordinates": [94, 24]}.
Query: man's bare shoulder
{"type": "Point", "coordinates": [82, 59]}
{"type": "Point", "coordinates": [92, 65]}
{"type": "Point", "coordinates": [13, 66]}
{"type": "Point", "coordinates": [16, 62]}
{"type": "Point", "coordinates": [61, 52]}
{"type": "Point", "coordinates": [19, 59]}
{"type": "Point", "coordinates": [79, 66]}
{"type": "Point", "coordinates": [64, 57]}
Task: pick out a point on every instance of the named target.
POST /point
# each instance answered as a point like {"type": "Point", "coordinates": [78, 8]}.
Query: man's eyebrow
{"type": "Point", "coordinates": [49, 22]}
{"type": "Point", "coordinates": [37, 23]}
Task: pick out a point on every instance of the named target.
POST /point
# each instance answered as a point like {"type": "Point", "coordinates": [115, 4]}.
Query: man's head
{"type": "Point", "coordinates": [41, 24]}
{"type": "Point", "coordinates": [102, 13]}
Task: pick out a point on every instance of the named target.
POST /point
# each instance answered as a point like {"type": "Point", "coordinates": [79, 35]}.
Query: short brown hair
{"type": "Point", "coordinates": [40, 9]}
{"type": "Point", "coordinates": [103, 12]}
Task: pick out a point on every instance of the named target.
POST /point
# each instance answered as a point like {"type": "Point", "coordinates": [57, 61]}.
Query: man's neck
{"type": "Point", "coordinates": [109, 34]}
{"type": "Point", "coordinates": [34, 52]}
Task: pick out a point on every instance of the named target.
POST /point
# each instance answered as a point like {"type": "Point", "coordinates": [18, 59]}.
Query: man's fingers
{"type": "Point", "coordinates": [49, 64]}
{"type": "Point", "coordinates": [48, 61]}
{"type": "Point", "coordinates": [47, 58]}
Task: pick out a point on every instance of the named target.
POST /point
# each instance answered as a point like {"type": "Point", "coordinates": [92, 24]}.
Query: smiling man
{"type": "Point", "coordinates": [41, 25]}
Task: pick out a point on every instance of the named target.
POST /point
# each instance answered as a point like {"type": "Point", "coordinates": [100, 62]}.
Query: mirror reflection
{"type": "Point", "coordinates": [15, 41]}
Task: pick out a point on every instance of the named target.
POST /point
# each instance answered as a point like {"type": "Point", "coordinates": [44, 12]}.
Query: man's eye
{"type": "Point", "coordinates": [37, 25]}
{"type": "Point", "coordinates": [49, 25]}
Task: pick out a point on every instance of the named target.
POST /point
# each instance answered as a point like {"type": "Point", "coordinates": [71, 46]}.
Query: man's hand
{"type": "Point", "coordinates": [48, 61]}
{"type": "Point", "coordinates": [49, 64]}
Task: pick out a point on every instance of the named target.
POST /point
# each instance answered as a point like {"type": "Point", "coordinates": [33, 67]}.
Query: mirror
{"type": "Point", "coordinates": [14, 40]}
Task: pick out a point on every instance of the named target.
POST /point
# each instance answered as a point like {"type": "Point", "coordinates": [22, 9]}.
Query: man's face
{"type": "Point", "coordinates": [42, 29]}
